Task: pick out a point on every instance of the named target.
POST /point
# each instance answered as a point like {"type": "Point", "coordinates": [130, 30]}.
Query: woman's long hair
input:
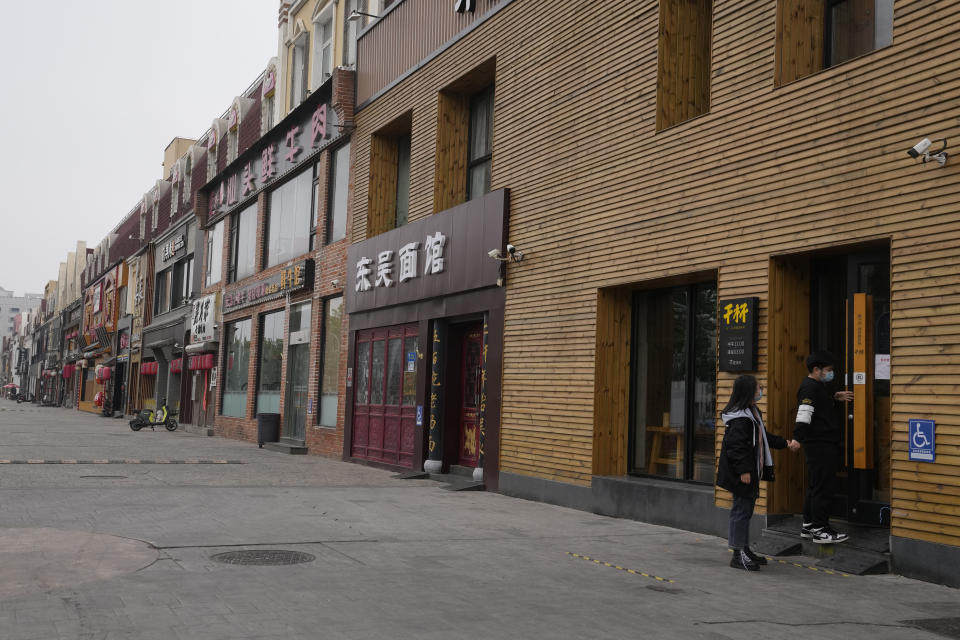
{"type": "Point", "coordinates": [743, 395]}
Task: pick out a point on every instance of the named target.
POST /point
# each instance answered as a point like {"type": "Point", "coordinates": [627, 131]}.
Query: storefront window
{"type": "Point", "coordinates": [235, 368]}
{"type": "Point", "coordinates": [339, 188]}
{"type": "Point", "coordinates": [182, 282]}
{"type": "Point", "coordinates": [481, 144]}
{"type": "Point", "coordinates": [243, 242]}
{"type": "Point", "coordinates": [674, 373]}
{"type": "Point", "coordinates": [214, 254]}
{"type": "Point", "coordinates": [288, 228]}
{"type": "Point", "coordinates": [161, 302]}
{"type": "Point", "coordinates": [330, 376]}
{"type": "Point", "coordinates": [271, 363]}
{"type": "Point", "coordinates": [298, 372]}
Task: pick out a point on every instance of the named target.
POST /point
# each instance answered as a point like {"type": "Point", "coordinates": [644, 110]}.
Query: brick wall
{"type": "Point", "coordinates": [329, 279]}
{"type": "Point", "coordinates": [250, 125]}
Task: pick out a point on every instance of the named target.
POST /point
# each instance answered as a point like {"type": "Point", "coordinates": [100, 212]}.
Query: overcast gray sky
{"type": "Point", "coordinates": [92, 94]}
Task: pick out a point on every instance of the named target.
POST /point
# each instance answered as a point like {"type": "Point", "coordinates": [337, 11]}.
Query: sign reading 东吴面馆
{"type": "Point", "coordinates": [738, 334]}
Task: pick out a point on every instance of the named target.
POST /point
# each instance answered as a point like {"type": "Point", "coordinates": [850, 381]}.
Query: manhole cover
{"type": "Point", "coordinates": [263, 557]}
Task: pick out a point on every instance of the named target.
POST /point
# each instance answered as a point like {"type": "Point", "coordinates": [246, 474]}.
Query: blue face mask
{"type": "Point", "coordinates": [759, 395]}
{"type": "Point", "coordinates": [828, 376]}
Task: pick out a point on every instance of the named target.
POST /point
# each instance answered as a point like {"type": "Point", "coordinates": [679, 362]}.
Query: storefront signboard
{"type": "Point", "coordinates": [290, 279]}
{"type": "Point", "coordinates": [172, 247]}
{"type": "Point", "coordinates": [738, 334]}
{"type": "Point", "coordinates": [442, 254]}
{"type": "Point", "coordinates": [305, 132]}
{"type": "Point", "coordinates": [203, 319]}
{"type": "Point", "coordinates": [922, 434]}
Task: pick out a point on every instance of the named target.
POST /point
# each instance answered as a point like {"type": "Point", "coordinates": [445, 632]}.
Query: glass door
{"type": "Point", "coordinates": [867, 359]}
{"type": "Point", "coordinates": [298, 373]}
{"type": "Point", "coordinates": [850, 317]}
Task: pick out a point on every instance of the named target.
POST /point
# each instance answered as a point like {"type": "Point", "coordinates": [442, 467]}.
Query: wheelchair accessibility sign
{"type": "Point", "coordinates": [921, 440]}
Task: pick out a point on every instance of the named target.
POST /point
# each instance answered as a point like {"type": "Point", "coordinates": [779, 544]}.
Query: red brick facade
{"type": "Point", "coordinates": [328, 281]}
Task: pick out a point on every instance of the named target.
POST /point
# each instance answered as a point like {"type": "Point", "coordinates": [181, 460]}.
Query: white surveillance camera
{"type": "Point", "coordinates": [920, 148]}
{"type": "Point", "coordinates": [512, 249]}
{"type": "Point", "coordinates": [494, 253]}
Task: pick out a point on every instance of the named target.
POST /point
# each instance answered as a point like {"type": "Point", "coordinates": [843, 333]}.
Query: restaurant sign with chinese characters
{"type": "Point", "coordinates": [170, 248]}
{"type": "Point", "coordinates": [204, 319]}
{"type": "Point", "coordinates": [290, 279]}
{"type": "Point", "coordinates": [442, 254]}
{"type": "Point", "coordinates": [738, 334]}
{"type": "Point", "coordinates": [308, 129]}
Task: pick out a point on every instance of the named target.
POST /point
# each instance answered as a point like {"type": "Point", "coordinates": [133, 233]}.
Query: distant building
{"type": "Point", "coordinates": [11, 305]}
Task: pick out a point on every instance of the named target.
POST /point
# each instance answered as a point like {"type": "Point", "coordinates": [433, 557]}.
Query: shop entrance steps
{"type": "Point", "coordinates": [284, 445]}
{"type": "Point", "coordinates": [866, 552]}
{"type": "Point", "coordinates": [458, 479]}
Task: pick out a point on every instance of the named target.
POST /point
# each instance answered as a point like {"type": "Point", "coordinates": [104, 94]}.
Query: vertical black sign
{"type": "Point", "coordinates": [738, 334]}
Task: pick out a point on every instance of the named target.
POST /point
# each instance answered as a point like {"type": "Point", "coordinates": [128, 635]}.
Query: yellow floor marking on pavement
{"type": "Point", "coordinates": [68, 462]}
{"type": "Point", "coordinates": [615, 566]}
{"type": "Point", "coordinates": [4, 462]}
{"type": "Point", "coordinates": [829, 572]}
{"type": "Point", "coordinates": [101, 462]}
{"type": "Point", "coordinates": [35, 461]}
{"type": "Point", "coordinates": [219, 462]}
{"type": "Point", "coordinates": [131, 461]}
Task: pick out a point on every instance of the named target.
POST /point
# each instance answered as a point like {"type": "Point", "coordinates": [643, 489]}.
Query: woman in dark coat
{"type": "Point", "coordinates": [745, 460]}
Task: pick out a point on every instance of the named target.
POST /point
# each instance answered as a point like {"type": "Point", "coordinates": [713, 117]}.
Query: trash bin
{"type": "Point", "coordinates": [268, 427]}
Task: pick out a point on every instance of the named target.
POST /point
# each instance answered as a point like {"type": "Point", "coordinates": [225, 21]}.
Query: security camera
{"type": "Point", "coordinates": [920, 148]}
{"type": "Point", "coordinates": [511, 249]}
{"type": "Point", "coordinates": [495, 254]}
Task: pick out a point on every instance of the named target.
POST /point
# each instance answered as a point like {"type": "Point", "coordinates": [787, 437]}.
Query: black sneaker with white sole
{"type": "Point", "coordinates": [826, 535]}
{"type": "Point", "coordinates": [807, 529]}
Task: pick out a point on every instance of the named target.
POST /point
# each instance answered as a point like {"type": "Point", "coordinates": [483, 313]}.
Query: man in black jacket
{"type": "Point", "coordinates": [819, 429]}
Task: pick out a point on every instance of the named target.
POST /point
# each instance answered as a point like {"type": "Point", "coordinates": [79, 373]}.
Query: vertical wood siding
{"type": "Point", "coordinates": [382, 193]}
{"type": "Point", "coordinates": [599, 199]}
{"type": "Point", "coordinates": [683, 52]}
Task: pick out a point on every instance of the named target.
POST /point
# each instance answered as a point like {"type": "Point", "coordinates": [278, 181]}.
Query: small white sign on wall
{"type": "Point", "coordinates": [881, 366]}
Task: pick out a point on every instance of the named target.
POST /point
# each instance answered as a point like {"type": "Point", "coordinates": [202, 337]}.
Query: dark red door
{"type": "Point", "coordinates": [384, 401]}
{"type": "Point", "coordinates": [471, 372]}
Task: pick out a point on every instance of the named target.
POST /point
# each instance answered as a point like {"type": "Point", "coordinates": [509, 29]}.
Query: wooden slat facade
{"type": "Point", "coordinates": [387, 49]}
{"type": "Point", "coordinates": [600, 201]}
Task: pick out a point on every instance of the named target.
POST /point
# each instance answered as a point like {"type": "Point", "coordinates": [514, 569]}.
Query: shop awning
{"type": "Point", "coordinates": [203, 347]}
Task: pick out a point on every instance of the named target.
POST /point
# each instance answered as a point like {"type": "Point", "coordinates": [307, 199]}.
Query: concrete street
{"type": "Point", "coordinates": [123, 550]}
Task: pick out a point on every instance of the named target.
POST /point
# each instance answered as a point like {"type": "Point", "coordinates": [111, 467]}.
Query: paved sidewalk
{"type": "Point", "coordinates": [393, 558]}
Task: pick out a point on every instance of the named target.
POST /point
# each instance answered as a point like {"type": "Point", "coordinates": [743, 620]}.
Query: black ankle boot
{"type": "Point", "coordinates": [741, 560]}
{"type": "Point", "coordinates": [757, 559]}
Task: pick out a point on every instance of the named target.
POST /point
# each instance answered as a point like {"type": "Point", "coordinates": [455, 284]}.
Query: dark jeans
{"type": "Point", "coordinates": [822, 462]}
{"type": "Point", "coordinates": [740, 515]}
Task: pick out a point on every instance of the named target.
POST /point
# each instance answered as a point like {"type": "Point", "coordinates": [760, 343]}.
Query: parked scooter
{"type": "Point", "coordinates": [162, 417]}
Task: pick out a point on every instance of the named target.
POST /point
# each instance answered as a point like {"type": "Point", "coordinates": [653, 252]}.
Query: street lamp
{"type": "Point", "coordinates": [355, 15]}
